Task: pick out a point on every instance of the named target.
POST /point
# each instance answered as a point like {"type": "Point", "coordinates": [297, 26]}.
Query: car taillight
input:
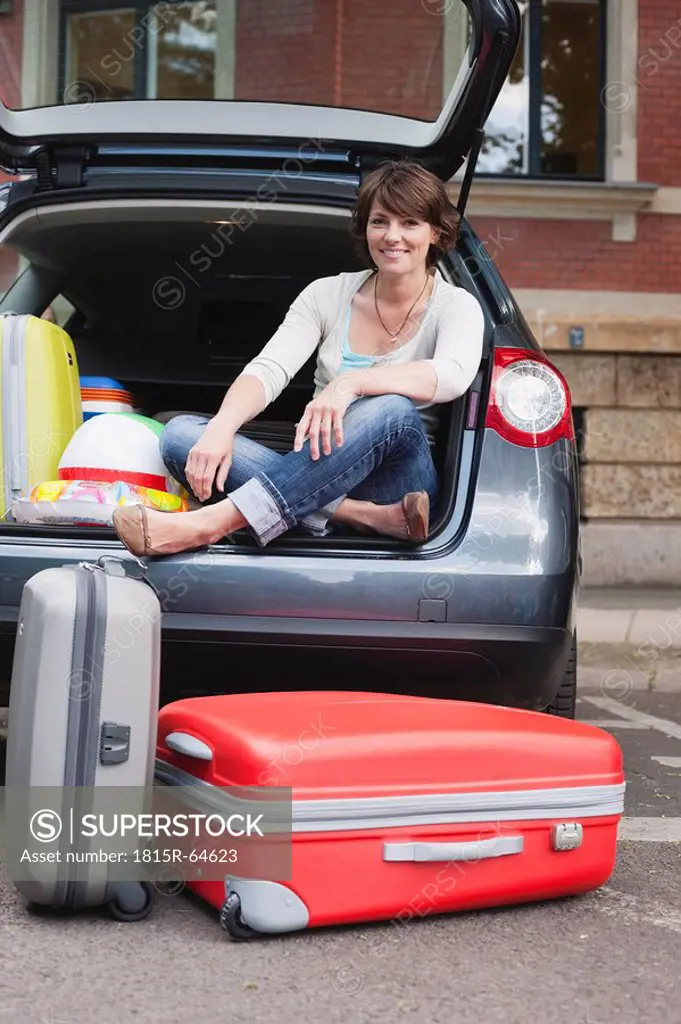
{"type": "Point", "coordinates": [529, 401]}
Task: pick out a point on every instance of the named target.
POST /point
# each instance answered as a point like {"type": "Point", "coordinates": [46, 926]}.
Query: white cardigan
{"type": "Point", "coordinates": [449, 337]}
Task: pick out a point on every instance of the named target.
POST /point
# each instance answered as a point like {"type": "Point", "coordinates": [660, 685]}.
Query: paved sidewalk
{"type": "Point", "coordinates": [630, 616]}
{"type": "Point", "coordinates": [629, 639]}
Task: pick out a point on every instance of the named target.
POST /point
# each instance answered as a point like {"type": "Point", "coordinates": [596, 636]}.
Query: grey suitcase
{"type": "Point", "coordinates": [83, 710]}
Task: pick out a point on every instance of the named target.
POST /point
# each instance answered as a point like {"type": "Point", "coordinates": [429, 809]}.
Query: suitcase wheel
{"type": "Point", "coordinates": [232, 921]}
{"type": "Point", "coordinates": [42, 909]}
{"type": "Point", "coordinates": [133, 902]}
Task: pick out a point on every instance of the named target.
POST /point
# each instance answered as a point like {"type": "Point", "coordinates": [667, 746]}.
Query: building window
{"type": "Point", "coordinates": [138, 50]}
{"type": "Point", "coordinates": [549, 120]}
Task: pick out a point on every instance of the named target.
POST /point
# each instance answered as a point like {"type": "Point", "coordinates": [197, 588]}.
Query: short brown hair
{"type": "Point", "coordinates": [407, 189]}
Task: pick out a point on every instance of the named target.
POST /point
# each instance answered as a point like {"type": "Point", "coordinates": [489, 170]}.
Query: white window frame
{"type": "Point", "coordinates": [40, 50]}
{"type": "Point", "coordinates": [225, 53]}
{"type": "Point", "coordinates": [621, 197]}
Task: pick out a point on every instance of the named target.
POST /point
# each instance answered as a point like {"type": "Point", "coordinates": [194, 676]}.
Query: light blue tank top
{"type": "Point", "coordinates": [352, 360]}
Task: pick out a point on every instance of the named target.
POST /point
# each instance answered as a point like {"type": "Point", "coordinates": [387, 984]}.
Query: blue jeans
{"type": "Point", "coordinates": [384, 455]}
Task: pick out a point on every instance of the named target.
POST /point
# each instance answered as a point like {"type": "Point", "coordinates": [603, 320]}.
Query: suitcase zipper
{"type": "Point", "coordinates": [92, 677]}
{"type": "Point", "coordinates": [82, 746]}
{"type": "Point", "coordinates": [439, 809]}
{"type": "Point", "coordinates": [13, 415]}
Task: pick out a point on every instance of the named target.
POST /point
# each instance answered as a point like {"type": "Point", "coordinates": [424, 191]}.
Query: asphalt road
{"type": "Point", "coordinates": [611, 956]}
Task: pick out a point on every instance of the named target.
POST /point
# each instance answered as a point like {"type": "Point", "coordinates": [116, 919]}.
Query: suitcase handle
{"type": "Point", "coordinates": [480, 849]}
{"type": "Point", "coordinates": [114, 566]}
{"type": "Point", "coordinates": [190, 746]}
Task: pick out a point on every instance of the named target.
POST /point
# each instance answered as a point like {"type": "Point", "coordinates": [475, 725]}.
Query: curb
{"type": "Point", "coordinates": [652, 627]}
{"type": "Point", "coordinates": [618, 668]}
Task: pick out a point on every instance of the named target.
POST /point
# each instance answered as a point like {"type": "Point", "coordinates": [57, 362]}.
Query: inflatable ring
{"type": "Point", "coordinates": [88, 502]}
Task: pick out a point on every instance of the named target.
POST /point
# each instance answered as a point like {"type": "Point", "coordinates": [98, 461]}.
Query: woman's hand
{"type": "Point", "coordinates": [324, 414]}
{"type": "Point", "coordinates": [211, 454]}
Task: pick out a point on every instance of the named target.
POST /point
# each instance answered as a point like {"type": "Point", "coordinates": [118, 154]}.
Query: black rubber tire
{"type": "Point", "coordinates": [121, 913]}
{"type": "Point", "coordinates": [564, 704]}
{"type": "Point", "coordinates": [232, 921]}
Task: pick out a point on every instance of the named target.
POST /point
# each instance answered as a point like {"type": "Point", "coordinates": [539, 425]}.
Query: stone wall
{"type": "Point", "coordinates": [627, 383]}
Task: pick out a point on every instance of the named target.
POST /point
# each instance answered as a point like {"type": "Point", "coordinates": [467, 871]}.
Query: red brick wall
{"type": "Point", "coordinates": [11, 32]}
{"type": "Point", "coordinates": [582, 255]}
{"type": "Point", "coordinates": [659, 91]}
{"type": "Point", "coordinates": [355, 53]}
{"type": "Point", "coordinates": [392, 63]}
{"type": "Point", "coordinates": [274, 47]}
{"type": "Point", "coordinates": [11, 35]}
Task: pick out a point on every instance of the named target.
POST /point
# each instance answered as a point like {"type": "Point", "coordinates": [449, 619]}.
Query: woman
{"type": "Point", "coordinates": [392, 342]}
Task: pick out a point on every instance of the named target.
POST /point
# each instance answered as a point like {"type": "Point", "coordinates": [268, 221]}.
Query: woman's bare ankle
{"type": "Point", "coordinates": [356, 513]}
{"type": "Point", "coordinates": [386, 519]}
{"type": "Point", "coordinates": [219, 520]}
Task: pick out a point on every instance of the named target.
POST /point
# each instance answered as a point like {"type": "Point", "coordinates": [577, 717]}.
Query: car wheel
{"type": "Point", "coordinates": [564, 704]}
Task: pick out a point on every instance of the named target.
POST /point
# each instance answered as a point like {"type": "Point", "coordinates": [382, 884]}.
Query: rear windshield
{"type": "Point", "coordinates": [398, 57]}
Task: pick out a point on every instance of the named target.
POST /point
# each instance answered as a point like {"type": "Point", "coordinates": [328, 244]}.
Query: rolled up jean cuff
{"type": "Point", "coordinates": [261, 511]}
{"type": "Point", "coordinates": [268, 515]}
{"type": "Point", "coordinates": [318, 522]}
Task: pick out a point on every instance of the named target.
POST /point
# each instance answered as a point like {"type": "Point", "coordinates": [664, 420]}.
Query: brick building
{"type": "Point", "coordinates": [577, 197]}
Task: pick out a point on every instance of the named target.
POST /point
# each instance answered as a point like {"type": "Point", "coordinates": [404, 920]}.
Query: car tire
{"type": "Point", "coordinates": [564, 704]}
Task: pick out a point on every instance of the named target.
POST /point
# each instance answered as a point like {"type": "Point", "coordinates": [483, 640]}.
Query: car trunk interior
{"type": "Point", "coordinates": [172, 300]}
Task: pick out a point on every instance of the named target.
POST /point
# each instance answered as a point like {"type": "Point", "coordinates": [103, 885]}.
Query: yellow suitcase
{"type": "Point", "coordinates": [41, 403]}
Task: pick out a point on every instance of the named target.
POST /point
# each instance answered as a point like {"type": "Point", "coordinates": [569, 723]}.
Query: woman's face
{"type": "Point", "coordinates": [398, 245]}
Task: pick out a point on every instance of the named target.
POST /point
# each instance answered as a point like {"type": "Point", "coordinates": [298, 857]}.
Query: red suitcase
{"type": "Point", "coordinates": [402, 806]}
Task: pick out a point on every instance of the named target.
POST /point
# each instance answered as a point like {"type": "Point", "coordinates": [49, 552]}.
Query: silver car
{"type": "Point", "coordinates": [179, 231]}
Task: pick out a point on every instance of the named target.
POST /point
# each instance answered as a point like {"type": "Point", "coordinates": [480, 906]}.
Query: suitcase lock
{"type": "Point", "coordinates": [567, 836]}
{"type": "Point", "coordinates": [114, 747]}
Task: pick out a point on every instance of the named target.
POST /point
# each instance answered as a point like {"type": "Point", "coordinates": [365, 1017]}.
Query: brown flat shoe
{"type": "Point", "coordinates": [416, 506]}
{"type": "Point", "coordinates": [130, 524]}
{"type": "Point", "coordinates": [416, 510]}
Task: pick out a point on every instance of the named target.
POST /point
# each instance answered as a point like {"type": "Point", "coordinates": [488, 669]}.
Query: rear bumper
{"type": "Point", "coordinates": [517, 666]}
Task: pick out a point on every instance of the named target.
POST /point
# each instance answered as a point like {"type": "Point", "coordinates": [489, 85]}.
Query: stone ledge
{"type": "Point", "coordinates": [602, 333]}
{"type": "Point", "coordinates": [560, 200]}
{"type": "Point", "coordinates": [579, 302]}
